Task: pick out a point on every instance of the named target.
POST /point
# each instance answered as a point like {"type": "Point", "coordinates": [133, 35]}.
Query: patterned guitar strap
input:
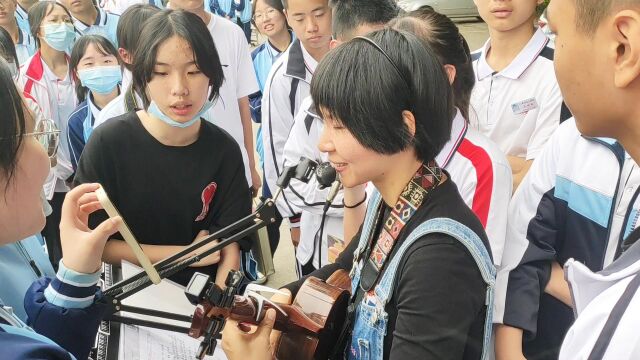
{"type": "Point", "coordinates": [426, 178]}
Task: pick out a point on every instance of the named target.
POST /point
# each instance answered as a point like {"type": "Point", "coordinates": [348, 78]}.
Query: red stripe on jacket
{"type": "Point", "coordinates": [484, 178]}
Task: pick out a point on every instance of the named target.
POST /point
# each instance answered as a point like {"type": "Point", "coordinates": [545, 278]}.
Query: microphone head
{"type": "Point", "coordinates": [326, 175]}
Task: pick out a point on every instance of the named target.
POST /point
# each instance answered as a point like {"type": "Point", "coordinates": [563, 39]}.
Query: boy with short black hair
{"type": "Point", "coordinates": [516, 101]}
{"type": "Point", "coordinates": [588, 214]}
{"type": "Point", "coordinates": [287, 85]}
{"type": "Point", "coordinates": [350, 18]}
{"type": "Point", "coordinates": [602, 37]}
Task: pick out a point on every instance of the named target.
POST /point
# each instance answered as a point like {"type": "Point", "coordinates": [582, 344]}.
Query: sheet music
{"type": "Point", "coordinates": [141, 343]}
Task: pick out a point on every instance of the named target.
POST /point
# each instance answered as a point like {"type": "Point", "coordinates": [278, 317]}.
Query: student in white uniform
{"type": "Point", "coordinates": [232, 111]}
{"type": "Point", "coordinates": [89, 19]}
{"type": "Point", "coordinates": [45, 79]}
{"type": "Point", "coordinates": [350, 18]}
{"type": "Point", "coordinates": [516, 101]}
{"type": "Point", "coordinates": [97, 72]}
{"type": "Point", "coordinates": [287, 85]}
{"type": "Point", "coordinates": [475, 163]}
{"type": "Point", "coordinates": [24, 43]}
{"type": "Point", "coordinates": [602, 39]}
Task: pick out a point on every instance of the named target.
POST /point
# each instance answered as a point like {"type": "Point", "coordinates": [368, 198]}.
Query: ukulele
{"type": "Point", "coordinates": [310, 326]}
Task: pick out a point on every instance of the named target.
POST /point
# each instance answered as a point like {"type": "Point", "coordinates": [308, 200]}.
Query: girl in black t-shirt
{"type": "Point", "coordinates": [174, 177]}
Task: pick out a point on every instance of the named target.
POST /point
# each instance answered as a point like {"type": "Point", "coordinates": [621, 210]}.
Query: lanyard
{"type": "Point", "coordinates": [23, 251]}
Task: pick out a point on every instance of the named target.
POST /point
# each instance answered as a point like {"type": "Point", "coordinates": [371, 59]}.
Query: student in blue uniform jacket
{"type": "Point", "coordinates": [97, 72]}
{"type": "Point", "coordinates": [62, 314]}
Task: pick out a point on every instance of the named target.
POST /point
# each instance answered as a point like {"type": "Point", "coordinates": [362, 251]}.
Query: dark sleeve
{"type": "Point", "coordinates": [75, 139]}
{"type": "Point", "coordinates": [233, 197]}
{"type": "Point", "coordinates": [527, 281]}
{"type": "Point", "coordinates": [255, 104]}
{"type": "Point", "coordinates": [238, 7]}
{"type": "Point", "coordinates": [94, 167]}
{"type": "Point", "coordinates": [440, 285]}
{"type": "Point", "coordinates": [20, 347]}
{"type": "Point", "coordinates": [73, 329]}
{"type": "Point", "coordinates": [343, 262]}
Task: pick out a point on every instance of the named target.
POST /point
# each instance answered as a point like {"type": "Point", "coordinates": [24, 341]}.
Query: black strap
{"type": "Point", "coordinates": [601, 345]}
{"type": "Point", "coordinates": [292, 95]}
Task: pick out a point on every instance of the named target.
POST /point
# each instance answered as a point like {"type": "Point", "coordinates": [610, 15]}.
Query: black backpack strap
{"type": "Point", "coordinates": [604, 339]}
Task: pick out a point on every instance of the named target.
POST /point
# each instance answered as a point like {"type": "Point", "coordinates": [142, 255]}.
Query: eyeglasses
{"type": "Point", "coordinates": [48, 135]}
{"type": "Point", "coordinates": [262, 16]}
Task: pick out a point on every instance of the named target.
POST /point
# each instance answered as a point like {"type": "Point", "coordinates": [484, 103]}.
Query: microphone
{"type": "Point", "coordinates": [327, 176]}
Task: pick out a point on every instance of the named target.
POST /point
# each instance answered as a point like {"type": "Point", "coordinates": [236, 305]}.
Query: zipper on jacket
{"type": "Point", "coordinates": [613, 203]}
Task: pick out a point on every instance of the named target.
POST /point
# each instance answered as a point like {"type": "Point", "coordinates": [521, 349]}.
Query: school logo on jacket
{"type": "Point", "coordinates": [207, 196]}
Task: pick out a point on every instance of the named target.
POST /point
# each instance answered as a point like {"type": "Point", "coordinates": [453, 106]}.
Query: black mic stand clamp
{"type": "Point", "coordinates": [203, 292]}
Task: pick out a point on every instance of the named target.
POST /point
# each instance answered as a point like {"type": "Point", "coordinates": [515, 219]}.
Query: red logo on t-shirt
{"type": "Point", "coordinates": [207, 196]}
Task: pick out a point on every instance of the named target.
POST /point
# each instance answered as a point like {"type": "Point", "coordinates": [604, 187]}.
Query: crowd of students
{"type": "Point", "coordinates": [467, 184]}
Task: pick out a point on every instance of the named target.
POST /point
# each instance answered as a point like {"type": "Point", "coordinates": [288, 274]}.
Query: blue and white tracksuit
{"type": "Point", "coordinates": [577, 201]}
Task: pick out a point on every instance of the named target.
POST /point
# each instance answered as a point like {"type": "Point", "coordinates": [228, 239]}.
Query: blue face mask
{"type": "Point", "coordinates": [59, 36]}
{"type": "Point", "coordinates": [101, 79]}
{"type": "Point", "coordinates": [155, 111]}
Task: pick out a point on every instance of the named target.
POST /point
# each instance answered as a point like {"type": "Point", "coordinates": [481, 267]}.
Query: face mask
{"type": "Point", "coordinates": [155, 111]}
{"type": "Point", "coordinates": [59, 36]}
{"type": "Point", "coordinates": [101, 79]}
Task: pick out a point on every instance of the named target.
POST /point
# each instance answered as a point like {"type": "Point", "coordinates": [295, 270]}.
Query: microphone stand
{"type": "Point", "coordinates": [265, 214]}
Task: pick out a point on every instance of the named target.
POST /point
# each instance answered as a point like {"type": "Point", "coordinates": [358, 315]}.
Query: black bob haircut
{"type": "Point", "coordinates": [104, 46]}
{"type": "Point", "coordinates": [349, 14]}
{"type": "Point", "coordinates": [7, 47]}
{"type": "Point", "coordinates": [366, 91]}
{"type": "Point", "coordinates": [160, 28]}
{"type": "Point", "coordinates": [12, 126]}
{"type": "Point", "coordinates": [38, 12]}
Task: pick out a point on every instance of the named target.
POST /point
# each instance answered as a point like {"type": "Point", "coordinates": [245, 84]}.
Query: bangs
{"type": "Point", "coordinates": [358, 87]}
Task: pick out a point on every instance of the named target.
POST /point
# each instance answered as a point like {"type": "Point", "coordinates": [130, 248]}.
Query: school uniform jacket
{"type": "Point", "coordinates": [63, 317]}
{"type": "Point", "coordinates": [32, 82]}
{"type": "Point", "coordinates": [287, 85]}
{"type": "Point", "coordinates": [106, 25]}
{"type": "Point", "coordinates": [573, 203]}
{"type": "Point", "coordinates": [607, 306]}
{"type": "Point", "coordinates": [75, 136]}
{"type": "Point", "coordinates": [483, 177]}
